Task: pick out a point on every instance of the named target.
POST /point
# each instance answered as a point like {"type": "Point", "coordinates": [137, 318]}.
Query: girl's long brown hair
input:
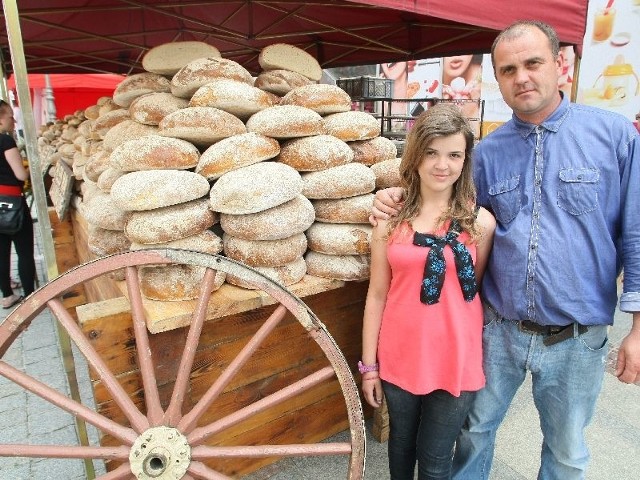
{"type": "Point", "coordinates": [441, 120]}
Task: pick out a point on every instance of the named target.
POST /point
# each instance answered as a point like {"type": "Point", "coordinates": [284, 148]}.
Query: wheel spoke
{"type": "Point", "coordinates": [123, 472]}
{"type": "Point", "coordinates": [64, 451]}
{"type": "Point", "coordinates": [198, 435]}
{"type": "Point", "coordinates": [147, 371]}
{"type": "Point", "coordinates": [203, 452]}
{"type": "Point", "coordinates": [137, 419]}
{"type": "Point", "coordinates": [51, 395]}
{"type": "Point", "coordinates": [188, 422]}
{"type": "Point", "coordinates": [200, 470]}
{"type": "Point", "coordinates": [174, 412]}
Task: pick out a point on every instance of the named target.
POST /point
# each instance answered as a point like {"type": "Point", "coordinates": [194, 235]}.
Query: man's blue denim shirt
{"type": "Point", "coordinates": [566, 196]}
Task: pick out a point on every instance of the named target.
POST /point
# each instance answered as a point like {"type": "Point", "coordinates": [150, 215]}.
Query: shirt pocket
{"type": "Point", "coordinates": [578, 190]}
{"type": "Point", "coordinates": [505, 198]}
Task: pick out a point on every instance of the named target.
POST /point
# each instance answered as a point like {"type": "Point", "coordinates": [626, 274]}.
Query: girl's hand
{"type": "Point", "coordinates": [372, 389]}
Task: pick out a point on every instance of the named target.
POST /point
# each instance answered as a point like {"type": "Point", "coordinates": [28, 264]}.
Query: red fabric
{"type": "Point", "coordinates": [11, 190]}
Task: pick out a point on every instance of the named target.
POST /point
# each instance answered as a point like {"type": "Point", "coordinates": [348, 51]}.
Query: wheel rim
{"type": "Point", "coordinates": [178, 443]}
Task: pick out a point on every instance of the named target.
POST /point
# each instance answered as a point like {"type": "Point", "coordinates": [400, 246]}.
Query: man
{"type": "Point", "coordinates": [563, 181]}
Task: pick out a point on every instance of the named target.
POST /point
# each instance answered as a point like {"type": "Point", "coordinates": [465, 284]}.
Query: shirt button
{"type": "Point", "coordinates": [533, 247]}
{"type": "Point", "coordinates": [538, 183]}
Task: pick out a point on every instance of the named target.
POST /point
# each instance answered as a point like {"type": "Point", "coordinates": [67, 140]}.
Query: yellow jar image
{"type": "Point", "coordinates": [619, 82]}
{"type": "Point", "coordinates": [603, 23]}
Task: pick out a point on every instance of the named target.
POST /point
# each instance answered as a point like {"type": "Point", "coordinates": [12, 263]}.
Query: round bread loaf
{"type": "Point", "coordinates": [170, 223]}
{"type": "Point", "coordinates": [205, 242]}
{"type": "Point", "coordinates": [102, 242]}
{"type": "Point", "coordinates": [201, 125]}
{"type": "Point", "coordinates": [344, 210]}
{"type": "Point", "coordinates": [387, 173]}
{"type": "Point", "coordinates": [321, 98]}
{"type": "Point", "coordinates": [154, 152]}
{"type": "Point", "coordinates": [124, 131]}
{"type": "Point", "coordinates": [139, 84]}
{"type": "Point", "coordinates": [101, 211]}
{"type": "Point", "coordinates": [106, 179]}
{"type": "Point", "coordinates": [149, 189]}
{"type": "Point", "coordinates": [280, 82]}
{"type": "Point", "coordinates": [236, 152]}
{"type": "Point", "coordinates": [339, 238]}
{"type": "Point", "coordinates": [286, 121]}
{"type": "Point", "coordinates": [285, 275]}
{"type": "Point", "coordinates": [92, 112]}
{"type": "Point", "coordinates": [338, 267]}
{"type": "Point", "coordinates": [151, 108]}
{"type": "Point", "coordinates": [292, 217]}
{"type": "Point", "coordinates": [370, 152]}
{"type": "Point", "coordinates": [104, 123]}
{"type": "Point", "coordinates": [237, 98]}
{"type": "Point", "coordinates": [107, 105]}
{"type": "Point", "coordinates": [255, 188]}
{"type": "Point", "coordinates": [96, 165]}
{"type": "Point", "coordinates": [201, 71]}
{"type": "Point", "coordinates": [352, 125]}
{"type": "Point", "coordinates": [265, 253]}
{"type": "Point", "coordinates": [168, 58]}
{"type": "Point", "coordinates": [319, 152]}
{"type": "Point", "coordinates": [282, 56]}
{"type": "Point", "coordinates": [339, 182]}
{"type": "Point", "coordinates": [175, 283]}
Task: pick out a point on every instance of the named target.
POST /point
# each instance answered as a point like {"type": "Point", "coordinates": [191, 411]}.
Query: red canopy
{"type": "Point", "coordinates": [113, 35]}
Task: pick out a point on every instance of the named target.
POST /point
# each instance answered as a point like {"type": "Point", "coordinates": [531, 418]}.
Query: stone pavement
{"type": "Point", "coordinates": [614, 436]}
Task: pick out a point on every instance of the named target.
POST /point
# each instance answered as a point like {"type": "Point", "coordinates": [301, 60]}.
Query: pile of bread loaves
{"type": "Point", "coordinates": [279, 166]}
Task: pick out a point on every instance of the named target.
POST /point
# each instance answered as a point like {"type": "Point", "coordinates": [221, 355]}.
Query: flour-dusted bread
{"type": "Point", "coordinates": [170, 223]}
{"type": "Point", "coordinates": [236, 152]}
{"type": "Point", "coordinates": [280, 82]}
{"type": "Point", "coordinates": [375, 150]}
{"type": "Point", "coordinates": [151, 108]}
{"type": "Point", "coordinates": [276, 223]}
{"type": "Point", "coordinates": [139, 84]}
{"type": "Point", "coordinates": [285, 275]}
{"type": "Point", "coordinates": [124, 131]}
{"type": "Point", "coordinates": [149, 189]}
{"type": "Point", "coordinates": [96, 164]}
{"type": "Point", "coordinates": [237, 98]}
{"type": "Point", "coordinates": [154, 152]}
{"type": "Point", "coordinates": [175, 283]}
{"type": "Point", "coordinates": [387, 173]}
{"type": "Point", "coordinates": [201, 125]}
{"type": "Point", "coordinates": [106, 179]}
{"type": "Point", "coordinates": [344, 210]}
{"type": "Point", "coordinates": [339, 182]}
{"type": "Point", "coordinates": [102, 242]}
{"type": "Point", "coordinates": [107, 104]}
{"type": "Point", "coordinates": [92, 112]}
{"type": "Point", "coordinates": [205, 242]}
{"type": "Point", "coordinates": [201, 71]}
{"type": "Point", "coordinates": [321, 98]}
{"type": "Point", "coordinates": [340, 238]}
{"type": "Point", "coordinates": [286, 121]}
{"type": "Point", "coordinates": [338, 267]}
{"type": "Point", "coordinates": [318, 152]}
{"type": "Point", "coordinates": [169, 58]}
{"type": "Point", "coordinates": [265, 253]}
{"type": "Point", "coordinates": [110, 119]}
{"type": "Point", "coordinates": [255, 188]}
{"type": "Point", "coordinates": [282, 56]}
{"type": "Point", "coordinates": [353, 125]}
{"type": "Point", "coordinates": [101, 211]}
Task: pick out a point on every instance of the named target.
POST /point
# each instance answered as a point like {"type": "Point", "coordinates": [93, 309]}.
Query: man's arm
{"type": "Point", "coordinates": [387, 203]}
{"type": "Point", "coordinates": [628, 364]}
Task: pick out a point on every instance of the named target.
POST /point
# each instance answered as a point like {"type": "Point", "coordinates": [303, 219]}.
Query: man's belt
{"type": "Point", "coordinates": [552, 334]}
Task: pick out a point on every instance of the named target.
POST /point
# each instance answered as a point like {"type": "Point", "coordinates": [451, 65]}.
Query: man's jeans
{"type": "Point", "coordinates": [567, 378]}
{"type": "Point", "coordinates": [423, 427]}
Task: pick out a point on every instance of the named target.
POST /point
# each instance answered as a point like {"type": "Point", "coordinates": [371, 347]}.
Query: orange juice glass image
{"type": "Point", "coordinates": [603, 23]}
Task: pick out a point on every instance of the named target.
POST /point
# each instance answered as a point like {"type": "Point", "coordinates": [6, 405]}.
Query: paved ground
{"type": "Point", "coordinates": [614, 436]}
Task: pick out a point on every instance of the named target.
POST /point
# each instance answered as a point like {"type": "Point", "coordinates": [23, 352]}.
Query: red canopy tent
{"type": "Point", "coordinates": [63, 36]}
{"type": "Point", "coordinates": [72, 92]}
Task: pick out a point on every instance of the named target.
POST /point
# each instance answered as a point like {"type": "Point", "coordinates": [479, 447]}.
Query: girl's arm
{"type": "Point", "coordinates": [380, 279]}
{"type": "Point", "coordinates": [487, 224]}
{"type": "Point", "coordinates": [15, 162]}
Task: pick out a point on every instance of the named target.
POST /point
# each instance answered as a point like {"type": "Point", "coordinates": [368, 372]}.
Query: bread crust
{"type": "Point", "coordinates": [286, 121]}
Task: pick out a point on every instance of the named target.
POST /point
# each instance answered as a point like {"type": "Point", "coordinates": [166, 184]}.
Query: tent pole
{"type": "Point", "coordinates": [14, 34]}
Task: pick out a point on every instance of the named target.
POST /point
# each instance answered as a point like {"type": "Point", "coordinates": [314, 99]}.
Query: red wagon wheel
{"type": "Point", "coordinates": [167, 442]}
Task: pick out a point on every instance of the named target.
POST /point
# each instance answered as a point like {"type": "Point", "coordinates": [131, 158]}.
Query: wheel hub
{"type": "Point", "coordinates": [160, 453]}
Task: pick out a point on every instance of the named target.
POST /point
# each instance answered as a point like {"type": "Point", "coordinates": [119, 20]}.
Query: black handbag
{"type": "Point", "coordinates": [11, 214]}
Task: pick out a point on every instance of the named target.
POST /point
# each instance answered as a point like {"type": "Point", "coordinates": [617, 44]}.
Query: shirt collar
{"type": "Point", "coordinates": [552, 122]}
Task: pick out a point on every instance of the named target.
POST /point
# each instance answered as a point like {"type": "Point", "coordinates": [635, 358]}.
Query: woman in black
{"type": "Point", "coordinates": [12, 177]}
